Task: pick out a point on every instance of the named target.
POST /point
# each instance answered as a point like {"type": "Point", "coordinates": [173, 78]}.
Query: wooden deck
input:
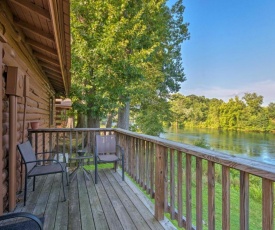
{"type": "Point", "coordinates": [111, 204]}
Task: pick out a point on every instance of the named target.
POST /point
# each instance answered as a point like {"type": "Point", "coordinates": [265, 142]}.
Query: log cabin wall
{"type": "Point", "coordinates": [35, 39]}
{"type": "Point", "coordinates": [37, 109]}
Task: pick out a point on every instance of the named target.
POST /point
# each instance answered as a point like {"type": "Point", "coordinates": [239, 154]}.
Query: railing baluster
{"type": "Point", "coordinates": [147, 175]}
{"type": "Point", "coordinates": [267, 204]}
{"type": "Point", "coordinates": [143, 165]}
{"type": "Point", "coordinates": [211, 195]}
{"type": "Point", "coordinates": [135, 161]}
{"type": "Point", "coordinates": [152, 170]}
{"type": "Point", "coordinates": [71, 145]}
{"type": "Point", "coordinates": [225, 198]}
{"type": "Point", "coordinates": [43, 145]}
{"type": "Point", "coordinates": [51, 144]}
{"type": "Point", "coordinates": [166, 174]}
{"type": "Point", "coordinates": [179, 167]}
{"type": "Point", "coordinates": [57, 144]}
{"type": "Point", "coordinates": [244, 200]}
{"type": "Point", "coordinates": [188, 193]}
{"type": "Point", "coordinates": [198, 193]}
{"type": "Point", "coordinates": [172, 184]}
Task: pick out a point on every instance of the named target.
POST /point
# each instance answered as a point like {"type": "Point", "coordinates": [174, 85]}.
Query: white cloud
{"type": "Point", "coordinates": [264, 88]}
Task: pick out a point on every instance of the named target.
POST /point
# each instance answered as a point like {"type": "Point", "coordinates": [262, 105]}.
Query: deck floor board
{"type": "Point", "coordinates": [111, 204]}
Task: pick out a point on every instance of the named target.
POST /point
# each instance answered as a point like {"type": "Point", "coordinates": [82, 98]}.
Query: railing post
{"type": "Point", "coordinates": [159, 180]}
{"type": "Point", "coordinates": [267, 204]}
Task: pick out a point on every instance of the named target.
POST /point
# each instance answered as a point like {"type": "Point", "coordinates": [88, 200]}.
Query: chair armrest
{"type": "Point", "coordinates": [51, 160]}
{"type": "Point", "coordinates": [54, 152]}
{"type": "Point", "coordinates": [22, 214]}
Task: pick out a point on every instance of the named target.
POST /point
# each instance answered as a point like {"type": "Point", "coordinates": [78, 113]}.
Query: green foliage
{"type": "Point", "coordinates": [246, 114]}
{"type": "Point", "coordinates": [201, 142]}
{"type": "Point", "coordinates": [124, 51]}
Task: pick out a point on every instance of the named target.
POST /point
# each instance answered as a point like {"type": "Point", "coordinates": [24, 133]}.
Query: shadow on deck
{"type": "Point", "coordinates": [111, 204]}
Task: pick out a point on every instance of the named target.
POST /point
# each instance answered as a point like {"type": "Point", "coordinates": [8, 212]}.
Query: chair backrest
{"type": "Point", "coordinates": [105, 144]}
{"type": "Point", "coordinates": [27, 154]}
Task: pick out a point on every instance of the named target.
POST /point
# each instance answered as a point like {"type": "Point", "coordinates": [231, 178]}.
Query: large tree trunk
{"type": "Point", "coordinates": [124, 116]}
{"type": "Point", "coordinates": [93, 122]}
{"type": "Point", "coordinates": [81, 121]}
{"type": "Point", "coordinates": [109, 120]}
{"type": "Point", "coordinates": [70, 122]}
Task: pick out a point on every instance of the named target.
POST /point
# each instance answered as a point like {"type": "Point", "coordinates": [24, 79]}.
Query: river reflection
{"type": "Point", "coordinates": [258, 146]}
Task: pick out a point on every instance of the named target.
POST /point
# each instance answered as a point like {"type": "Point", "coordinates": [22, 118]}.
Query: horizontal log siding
{"type": "Point", "coordinates": [167, 170]}
{"type": "Point", "coordinates": [37, 108]}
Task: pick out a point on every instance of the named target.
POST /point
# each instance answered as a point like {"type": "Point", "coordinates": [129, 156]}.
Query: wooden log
{"type": "Point", "coordinates": [5, 163]}
{"type": "Point", "coordinates": [5, 118]}
{"type": "Point", "coordinates": [5, 106]}
{"type": "Point", "coordinates": [5, 129]}
{"type": "Point", "coordinates": [5, 140]}
{"type": "Point", "coordinates": [4, 174]}
{"type": "Point", "coordinates": [4, 189]}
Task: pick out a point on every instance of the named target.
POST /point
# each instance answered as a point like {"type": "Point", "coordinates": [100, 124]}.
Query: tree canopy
{"type": "Point", "coordinates": [125, 51]}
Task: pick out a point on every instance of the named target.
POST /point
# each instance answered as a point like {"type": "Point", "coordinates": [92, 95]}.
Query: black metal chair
{"type": "Point", "coordinates": [31, 222]}
{"type": "Point", "coordinates": [106, 152]}
{"type": "Point", "coordinates": [35, 167]}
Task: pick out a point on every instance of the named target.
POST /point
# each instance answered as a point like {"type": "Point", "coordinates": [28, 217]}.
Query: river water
{"type": "Point", "coordinates": [258, 146]}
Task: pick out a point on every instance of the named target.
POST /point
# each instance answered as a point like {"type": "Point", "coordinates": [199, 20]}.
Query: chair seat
{"type": "Point", "coordinates": [47, 169]}
{"type": "Point", "coordinates": [108, 158]}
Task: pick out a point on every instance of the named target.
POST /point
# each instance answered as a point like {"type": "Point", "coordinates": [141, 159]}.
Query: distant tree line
{"type": "Point", "coordinates": [246, 113]}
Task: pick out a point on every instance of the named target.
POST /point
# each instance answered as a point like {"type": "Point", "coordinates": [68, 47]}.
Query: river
{"type": "Point", "coordinates": [257, 146]}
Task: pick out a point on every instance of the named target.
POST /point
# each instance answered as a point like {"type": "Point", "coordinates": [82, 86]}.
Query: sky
{"type": "Point", "coordinates": [231, 50]}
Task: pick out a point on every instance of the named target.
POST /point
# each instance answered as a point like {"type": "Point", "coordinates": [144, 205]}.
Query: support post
{"type": "Point", "coordinates": [12, 152]}
{"type": "Point", "coordinates": [159, 182]}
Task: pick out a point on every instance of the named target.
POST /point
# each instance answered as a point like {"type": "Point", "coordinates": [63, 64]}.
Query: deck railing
{"type": "Point", "coordinates": [177, 177]}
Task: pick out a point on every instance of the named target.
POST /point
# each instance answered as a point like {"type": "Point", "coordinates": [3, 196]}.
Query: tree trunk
{"type": "Point", "coordinates": [109, 120]}
{"type": "Point", "coordinates": [81, 121]}
{"type": "Point", "coordinates": [70, 122]}
{"type": "Point", "coordinates": [93, 122]}
{"type": "Point", "coordinates": [124, 116]}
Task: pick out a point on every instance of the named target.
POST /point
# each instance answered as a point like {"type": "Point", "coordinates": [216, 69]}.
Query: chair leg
{"type": "Point", "coordinates": [62, 175]}
{"type": "Point", "coordinates": [67, 176]}
{"type": "Point", "coordinates": [122, 165]}
{"type": "Point", "coordinates": [115, 165]}
{"type": "Point", "coordinates": [25, 192]}
{"type": "Point", "coordinates": [95, 170]}
{"type": "Point", "coordinates": [33, 184]}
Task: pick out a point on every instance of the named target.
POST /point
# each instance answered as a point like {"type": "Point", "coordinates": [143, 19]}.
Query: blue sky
{"type": "Point", "coordinates": [231, 50]}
